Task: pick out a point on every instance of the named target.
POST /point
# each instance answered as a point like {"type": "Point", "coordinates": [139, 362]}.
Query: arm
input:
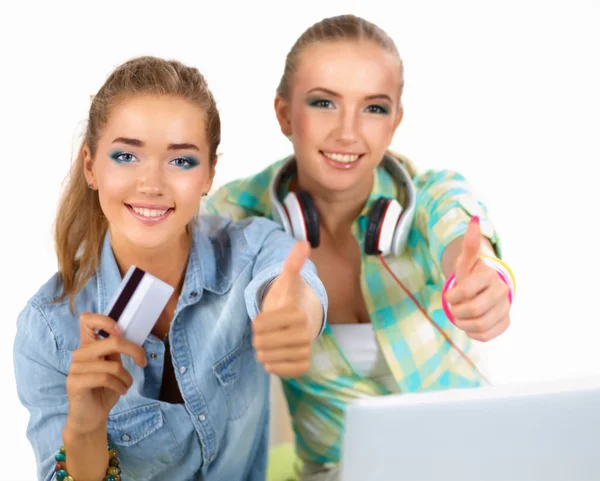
{"type": "Point", "coordinates": [459, 232]}
{"type": "Point", "coordinates": [446, 203]}
{"type": "Point", "coordinates": [41, 386]}
{"type": "Point", "coordinates": [302, 293]}
{"type": "Point", "coordinates": [287, 302]}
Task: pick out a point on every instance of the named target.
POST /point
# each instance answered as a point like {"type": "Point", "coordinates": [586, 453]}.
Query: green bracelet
{"type": "Point", "coordinates": [113, 473]}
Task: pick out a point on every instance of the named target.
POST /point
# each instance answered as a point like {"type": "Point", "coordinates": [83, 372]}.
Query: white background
{"type": "Point", "coordinates": [506, 94]}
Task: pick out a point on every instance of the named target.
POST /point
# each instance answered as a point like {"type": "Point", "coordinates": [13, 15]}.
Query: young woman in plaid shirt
{"type": "Point", "coordinates": [384, 264]}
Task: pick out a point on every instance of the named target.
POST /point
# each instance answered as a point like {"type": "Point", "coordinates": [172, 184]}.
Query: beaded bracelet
{"type": "Point", "coordinates": [504, 272]}
{"type": "Point", "coordinates": [113, 473]}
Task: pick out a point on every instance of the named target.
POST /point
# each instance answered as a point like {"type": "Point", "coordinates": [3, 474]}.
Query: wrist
{"type": "Point", "coordinates": [504, 273]}
{"type": "Point", "coordinates": [75, 433]}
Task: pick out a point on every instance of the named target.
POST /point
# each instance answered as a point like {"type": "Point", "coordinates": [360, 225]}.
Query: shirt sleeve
{"type": "Point", "coordinates": [268, 265]}
{"type": "Point", "coordinates": [41, 387]}
{"type": "Point", "coordinates": [445, 204]}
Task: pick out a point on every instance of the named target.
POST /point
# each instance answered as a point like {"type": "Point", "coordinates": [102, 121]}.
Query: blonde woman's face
{"type": "Point", "coordinates": [342, 112]}
{"type": "Point", "coordinates": [150, 168]}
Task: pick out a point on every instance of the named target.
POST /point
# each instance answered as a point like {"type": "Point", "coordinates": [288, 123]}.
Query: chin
{"type": "Point", "coordinates": [146, 241]}
{"type": "Point", "coordinates": [341, 183]}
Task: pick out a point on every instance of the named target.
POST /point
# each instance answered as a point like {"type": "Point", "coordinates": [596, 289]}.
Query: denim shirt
{"type": "Point", "coordinates": [220, 433]}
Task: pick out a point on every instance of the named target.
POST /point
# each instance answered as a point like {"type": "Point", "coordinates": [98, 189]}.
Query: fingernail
{"type": "Point", "coordinates": [117, 330]}
{"type": "Point", "coordinates": [475, 219]}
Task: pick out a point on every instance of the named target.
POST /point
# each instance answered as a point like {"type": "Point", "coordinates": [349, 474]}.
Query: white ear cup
{"type": "Point", "coordinates": [295, 217]}
{"type": "Point", "coordinates": [388, 225]}
{"type": "Point", "coordinates": [279, 213]}
{"type": "Point", "coordinates": [407, 215]}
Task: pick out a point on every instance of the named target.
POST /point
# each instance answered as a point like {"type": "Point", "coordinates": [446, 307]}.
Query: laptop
{"type": "Point", "coordinates": [543, 431]}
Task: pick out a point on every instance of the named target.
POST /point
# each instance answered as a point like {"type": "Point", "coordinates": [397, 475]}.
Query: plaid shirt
{"type": "Point", "coordinates": [418, 356]}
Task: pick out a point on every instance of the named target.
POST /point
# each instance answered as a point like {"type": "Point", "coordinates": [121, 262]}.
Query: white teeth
{"type": "Point", "coordinates": [149, 212]}
{"type": "Point", "coordinates": [344, 158]}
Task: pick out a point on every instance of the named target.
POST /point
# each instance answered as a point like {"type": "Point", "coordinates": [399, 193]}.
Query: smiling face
{"type": "Point", "coordinates": [342, 112]}
{"type": "Point", "coordinates": [151, 167]}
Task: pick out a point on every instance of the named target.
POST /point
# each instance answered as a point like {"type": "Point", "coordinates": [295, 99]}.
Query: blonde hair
{"type": "Point", "coordinates": [80, 224]}
{"type": "Point", "coordinates": [336, 29]}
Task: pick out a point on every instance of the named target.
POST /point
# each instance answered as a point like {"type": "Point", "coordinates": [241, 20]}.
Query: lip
{"type": "Point", "coordinates": [149, 220]}
{"type": "Point", "coordinates": [343, 152]}
{"type": "Point", "coordinates": [149, 206]}
{"type": "Point", "coordinates": [340, 165]}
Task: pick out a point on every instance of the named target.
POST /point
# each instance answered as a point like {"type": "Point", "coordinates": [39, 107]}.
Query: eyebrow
{"type": "Point", "coordinates": [335, 94]}
{"type": "Point", "coordinates": [139, 143]}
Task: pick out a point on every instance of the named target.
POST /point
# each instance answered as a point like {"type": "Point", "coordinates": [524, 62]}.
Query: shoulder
{"type": "Point", "coordinates": [439, 178]}
{"type": "Point", "coordinates": [45, 311]}
{"type": "Point", "coordinates": [244, 197]}
{"type": "Point", "coordinates": [47, 325]}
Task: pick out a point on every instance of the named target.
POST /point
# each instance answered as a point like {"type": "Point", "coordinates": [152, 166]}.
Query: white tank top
{"type": "Point", "coordinates": [359, 346]}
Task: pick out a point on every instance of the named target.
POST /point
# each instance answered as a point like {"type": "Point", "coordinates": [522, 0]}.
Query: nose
{"type": "Point", "coordinates": [347, 128]}
{"type": "Point", "coordinates": [150, 181]}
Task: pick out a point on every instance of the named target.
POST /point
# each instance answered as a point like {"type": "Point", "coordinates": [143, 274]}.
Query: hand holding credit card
{"type": "Point", "coordinates": [137, 304]}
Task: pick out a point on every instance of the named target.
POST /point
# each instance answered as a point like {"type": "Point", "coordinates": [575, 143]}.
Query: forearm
{"type": "Point", "coordinates": [86, 453]}
{"type": "Point", "coordinates": [453, 250]}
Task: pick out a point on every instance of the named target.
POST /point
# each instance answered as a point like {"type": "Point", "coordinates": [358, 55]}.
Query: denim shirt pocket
{"type": "Point", "coordinates": [140, 435]}
{"type": "Point", "coordinates": [237, 373]}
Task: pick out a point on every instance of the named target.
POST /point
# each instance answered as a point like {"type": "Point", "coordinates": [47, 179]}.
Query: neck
{"type": "Point", "coordinates": [167, 262]}
{"type": "Point", "coordinates": [337, 209]}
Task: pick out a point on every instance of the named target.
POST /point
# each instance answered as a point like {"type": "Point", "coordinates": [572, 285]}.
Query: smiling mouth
{"type": "Point", "coordinates": [149, 213]}
{"type": "Point", "coordinates": [342, 158]}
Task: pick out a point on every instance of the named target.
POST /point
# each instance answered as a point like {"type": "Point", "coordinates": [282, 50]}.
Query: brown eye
{"type": "Point", "coordinates": [377, 109]}
{"type": "Point", "coordinates": [321, 103]}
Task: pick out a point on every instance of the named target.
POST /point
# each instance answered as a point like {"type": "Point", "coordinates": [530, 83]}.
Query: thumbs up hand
{"type": "Point", "coordinates": [479, 300]}
{"type": "Point", "coordinates": [290, 319]}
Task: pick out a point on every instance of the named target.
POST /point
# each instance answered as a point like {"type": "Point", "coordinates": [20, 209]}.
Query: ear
{"type": "Point", "coordinates": [211, 175]}
{"type": "Point", "coordinates": [282, 111]}
{"type": "Point", "coordinates": [88, 166]}
{"type": "Point", "coordinates": [399, 117]}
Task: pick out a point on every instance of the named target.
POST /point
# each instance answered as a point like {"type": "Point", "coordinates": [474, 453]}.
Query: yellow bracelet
{"type": "Point", "coordinates": [508, 270]}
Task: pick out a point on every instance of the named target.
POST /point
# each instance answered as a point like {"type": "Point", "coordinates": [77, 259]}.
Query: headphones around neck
{"type": "Point", "coordinates": [388, 225]}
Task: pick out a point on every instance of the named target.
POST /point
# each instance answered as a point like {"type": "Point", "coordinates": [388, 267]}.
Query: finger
{"type": "Point", "coordinates": [281, 339]}
{"type": "Point", "coordinates": [278, 320]}
{"type": "Point", "coordinates": [90, 322]}
{"type": "Point", "coordinates": [492, 333]}
{"type": "Point", "coordinates": [469, 256]}
{"type": "Point", "coordinates": [288, 369]}
{"type": "Point", "coordinates": [486, 323]}
{"type": "Point", "coordinates": [116, 369]}
{"type": "Point", "coordinates": [286, 354]}
{"type": "Point", "coordinates": [472, 286]}
{"type": "Point", "coordinates": [108, 347]}
{"type": "Point", "coordinates": [480, 304]}
{"type": "Point", "coordinates": [80, 383]}
{"type": "Point", "coordinates": [293, 265]}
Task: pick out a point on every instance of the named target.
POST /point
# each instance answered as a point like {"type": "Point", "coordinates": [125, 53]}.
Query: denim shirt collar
{"type": "Point", "coordinates": [201, 273]}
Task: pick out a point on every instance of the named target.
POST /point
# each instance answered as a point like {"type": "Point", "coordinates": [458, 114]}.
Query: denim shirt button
{"type": "Point", "coordinates": [182, 369]}
{"type": "Point", "coordinates": [194, 294]}
{"type": "Point", "coordinates": [153, 355]}
{"type": "Point", "coordinates": [125, 437]}
{"type": "Point", "coordinates": [201, 417]}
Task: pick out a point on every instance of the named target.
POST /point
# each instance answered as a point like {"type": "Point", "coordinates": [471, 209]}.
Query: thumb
{"type": "Point", "coordinates": [286, 283]}
{"type": "Point", "coordinates": [293, 264]}
{"type": "Point", "coordinates": [469, 255]}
